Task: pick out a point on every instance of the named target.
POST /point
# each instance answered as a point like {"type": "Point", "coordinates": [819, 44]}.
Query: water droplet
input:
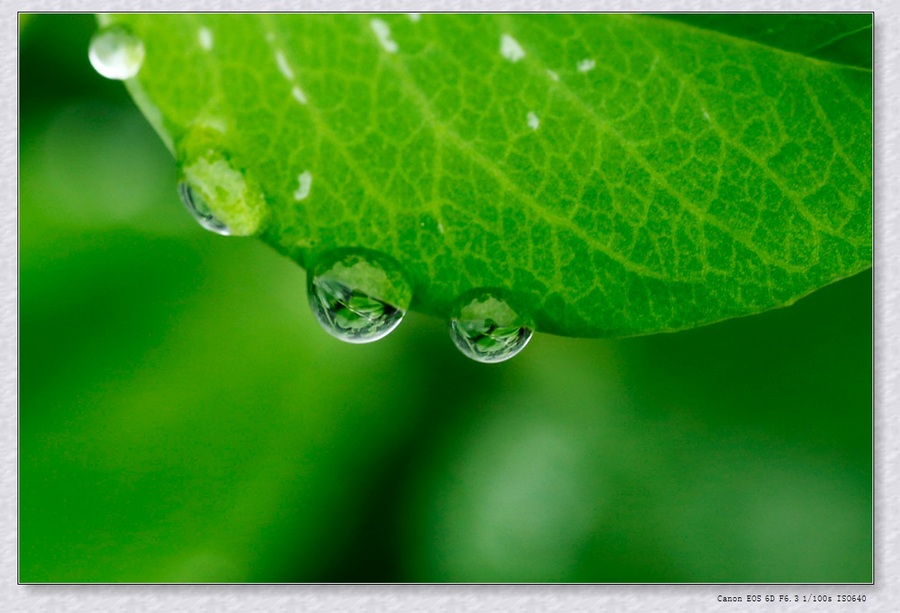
{"type": "Point", "coordinates": [198, 207]}
{"type": "Point", "coordinates": [586, 65]}
{"type": "Point", "coordinates": [116, 53]}
{"type": "Point", "coordinates": [510, 48]}
{"type": "Point", "coordinates": [222, 198]}
{"type": "Point", "coordinates": [358, 296]}
{"type": "Point", "coordinates": [487, 329]}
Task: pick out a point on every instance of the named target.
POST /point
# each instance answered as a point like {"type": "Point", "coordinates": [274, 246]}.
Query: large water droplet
{"type": "Point", "coordinates": [358, 296]}
{"type": "Point", "coordinates": [116, 53]}
{"type": "Point", "coordinates": [485, 328]}
{"type": "Point", "coordinates": [222, 198]}
{"type": "Point", "coordinates": [198, 207]}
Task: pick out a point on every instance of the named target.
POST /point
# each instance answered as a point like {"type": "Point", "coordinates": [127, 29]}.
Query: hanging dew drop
{"type": "Point", "coordinates": [200, 210]}
{"type": "Point", "coordinates": [219, 193]}
{"type": "Point", "coordinates": [351, 315]}
{"type": "Point", "coordinates": [358, 296]}
{"type": "Point", "coordinates": [116, 53]}
{"type": "Point", "coordinates": [486, 329]}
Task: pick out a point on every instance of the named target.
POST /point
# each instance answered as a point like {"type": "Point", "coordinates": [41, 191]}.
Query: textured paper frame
{"type": "Point", "coordinates": [884, 595]}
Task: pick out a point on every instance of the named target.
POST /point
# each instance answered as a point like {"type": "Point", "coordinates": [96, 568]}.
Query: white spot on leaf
{"type": "Point", "coordinates": [705, 114]}
{"type": "Point", "coordinates": [206, 39]}
{"type": "Point", "coordinates": [305, 180]}
{"type": "Point", "coordinates": [586, 65]}
{"type": "Point", "coordinates": [383, 32]}
{"type": "Point", "coordinates": [298, 94]}
{"type": "Point", "coordinates": [553, 75]}
{"type": "Point", "coordinates": [283, 65]}
{"type": "Point", "coordinates": [533, 121]}
{"type": "Point", "coordinates": [414, 17]}
{"type": "Point", "coordinates": [510, 48]}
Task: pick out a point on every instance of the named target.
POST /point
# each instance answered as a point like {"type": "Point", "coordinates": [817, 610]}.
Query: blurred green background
{"type": "Point", "coordinates": [183, 418]}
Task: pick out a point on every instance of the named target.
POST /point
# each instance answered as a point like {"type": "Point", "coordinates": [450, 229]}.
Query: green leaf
{"type": "Point", "coordinates": [843, 38]}
{"type": "Point", "coordinates": [618, 174]}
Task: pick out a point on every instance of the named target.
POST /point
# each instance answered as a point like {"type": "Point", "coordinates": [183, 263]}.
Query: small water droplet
{"type": "Point", "coordinates": [198, 207]}
{"type": "Point", "coordinates": [487, 329]}
{"type": "Point", "coordinates": [220, 195]}
{"type": "Point", "coordinates": [358, 296]}
{"type": "Point", "coordinates": [510, 48]}
{"type": "Point", "coordinates": [116, 53]}
{"type": "Point", "coordinates": [586, 65]}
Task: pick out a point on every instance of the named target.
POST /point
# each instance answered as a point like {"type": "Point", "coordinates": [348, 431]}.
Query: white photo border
{"type": "Point", "coordinates": [884, 595]}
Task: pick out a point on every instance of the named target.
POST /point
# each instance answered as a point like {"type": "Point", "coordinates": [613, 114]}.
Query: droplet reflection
{"type": "Point", "coordinates": [200, 210]}
{"type": "Point", "coordinates": [358, 297]}
{"type": "Point", "coordinates": [220, 194]}
{"type": "Point", "coordinates": [486, 329]}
